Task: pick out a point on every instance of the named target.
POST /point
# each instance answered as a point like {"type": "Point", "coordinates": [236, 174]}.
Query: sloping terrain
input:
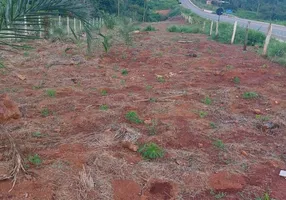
{"type": "Point", "coordinates": [218, 113]}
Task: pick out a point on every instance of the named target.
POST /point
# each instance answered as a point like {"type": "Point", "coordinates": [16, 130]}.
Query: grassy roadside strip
{"type": "Point", "coordinates": [276, 50]}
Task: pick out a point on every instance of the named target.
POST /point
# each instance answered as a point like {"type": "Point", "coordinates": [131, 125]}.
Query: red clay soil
{"type": "Point", "coordinates": [71, 142]}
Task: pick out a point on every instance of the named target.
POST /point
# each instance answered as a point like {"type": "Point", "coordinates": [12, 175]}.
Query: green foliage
{"type": "Point", "coordinates": [35, 159]}
{"type": "Point", "coordinates": [124, 72]}
{"type": "Point", "coordinates": [219, 144]}
{"type": "Point", "coordinates": [106, 42]}
{"type": "Point", "coordinates": [125, 29]}
{"type": "Point", "coordinates": [149, 28]}
{"type": "Point", "coordinates": [207, 101]}
{"type": "Point", "coordinates": [202, 114]}
{"type": "Point", "coordinates": [185, 29]}
{"type": "Point", "coordinates": [250, 95]}
{"type": "Point", "coordinates": [262, 118]}
{"type": "Point", "coordinates": [45, 112]}
{"type": "Point", "coordinates": [109, 21]}
{"type": "Point", "coordinates": [133, 117]}
{"type": "Point", "coordinates": [37, 134]}
{"type": "Point", "coordinates": [103, 92]}
{"type": "Point", "coordinates": [12, 17]}
{"type": "Point", "coordinates": [236, 80]}
{"type": "Point", "coordinates": [2, 66]}
{"type": "Point", "coordinates": [51, 93]}
{"type": "Point", "coordinates": [266, 196]}
{"type": "Point", "coordinates": [213, 125]}
{"type": "Point", "coordinates": [161, 79]}
{"type": "Point", "coordinates": [151, 151]}
{"type": "Point", "coordinates": [104, 107]}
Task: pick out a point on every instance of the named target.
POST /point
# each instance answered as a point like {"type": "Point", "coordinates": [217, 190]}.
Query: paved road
{"type": "Point", "coordinates": [278, 32]}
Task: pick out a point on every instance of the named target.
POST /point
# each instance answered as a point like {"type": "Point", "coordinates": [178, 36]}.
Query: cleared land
{"type": "Point", "coordinates": [218, 113]}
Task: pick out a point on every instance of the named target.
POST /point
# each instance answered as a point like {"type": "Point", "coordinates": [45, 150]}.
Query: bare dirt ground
{"type": "Point", "coordinates": [225, 150]}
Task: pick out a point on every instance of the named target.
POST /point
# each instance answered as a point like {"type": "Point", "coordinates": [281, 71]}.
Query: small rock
{"type": "Point", "coordinates": [201, 145]}
{"type": "Point", "coordinates": [8, 109]}
{"type": "Point", "coordinates": [130, 146]}
{"type": "Point", "coordinates": [257, 111]}
{"type": "Point", "coordinates": [148, 121]}
{"type": "Point", "coordinates": [244, 153]}
{"type": "Point", "coordinates": [276, 102]}
{"type": "Point", "coordinates": [269, 125]}
{"type": "Point", "coordinates": [21, 77]}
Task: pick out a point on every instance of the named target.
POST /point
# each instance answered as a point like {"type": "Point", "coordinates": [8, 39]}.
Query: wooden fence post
{"type": "Point", "coordinates": [267, 40]}
{"type": "Point", "coordinates": [246, 36]}
{"type": "Point", "coordinates": [68, 25]}
{"type": "Point", "coordinates": [60, 21]}
{"type": "Point", "coordinates": [211, 29]}
{"type": "Point", "coordinates": [216, 29]}
{"type": "Point", "coordinates": [233, 33]}
{"type": "Point", "coordinates": [40, 26]}
{"type": "Point", "coordinates": [25, 25]}
{"type": "Point", "coordinates": [204, 26]}
{"type": "Point", "coordinates": [74, 25]}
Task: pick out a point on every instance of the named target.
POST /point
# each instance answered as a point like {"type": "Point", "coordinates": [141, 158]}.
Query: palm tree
{"type": "Point", "coordinates": [17, 15]}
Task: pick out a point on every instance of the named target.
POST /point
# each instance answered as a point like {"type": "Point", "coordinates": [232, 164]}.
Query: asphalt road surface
{"type": "Point", "coordinates": [278, 31]}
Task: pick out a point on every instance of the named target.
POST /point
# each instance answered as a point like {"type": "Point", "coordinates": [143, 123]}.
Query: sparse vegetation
{"type": "Point", "coordinates": [250, 95]}
{"type": "Point", "coordinates": [45, 112]}
{"type": "Point", "coordinates": [161, 79]}
{"type": "Point", "coordinates": [151, 151]}
{"type": "Point", "coordinates": [236, 80]}
{"type": "Point", "coordinates": [153, 127]}
{"type": "Point", "coordinates": [133, 117]}
{"type": "Point", "coordinates": [37, 134]}
{"type": "Point", "coordinates": [203, 114]}
{"type": "Point", "coordinates": [51, 93]}
{"type": "Point", "coordinates": [213, 125]}
{"type": "Point", "coordinates": [124, 72]}
{"type": "Point", "coordinates": [219, 144]}
{"type": "Point", "coordinates": [207, 101]}
{"type": "Point", "coordinates": [103, 92]}
{"type": "Point", "coordinates": [35, 159]}
{"type": "Point", "coordinates": [149, 28]}
{"type": "Point", "coordinates": [104, 107]}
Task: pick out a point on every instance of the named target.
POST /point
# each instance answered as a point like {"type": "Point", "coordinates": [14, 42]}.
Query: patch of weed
{"type": "Point", "coordinates": [104, 107]}
{"type": "Point", "coordinates": [203, 114]}
{"type": "Point", "coordinates": [149, 28]}
{"type": "Point", "coordinates": [51, 93]}
{"type": "Point", "coordinates": [213, 125]}
{"type": "Point", "coordinates": [262, 118]}
{"type": "Point", "coordinates": [151, 151]}
{"type": "Point", "coordinates": [133, 117]}
{"type": "Point", "coordinates": [124, 72]}
{"type": "Point", "coordinates": [250, 95]}
{"type": "Point", "coordinates": [219, 144]}
{"type": "Point", "coordinates": [219, 195]}
{"type": "Point", "coordinates": [45, 112]}
{"type": "Point", "coordinates": [152, 100]}
{"type": "Point", "coordinates": [35, 159]}
{"type": "Point", "coordinates": [103, 92]}
{"type": "Point", "coordinates": [37, 134]}
{"type": "Point", "coordinates": [236, 80]}
{"type": "Point", "coordinates": [149, 87]}
{"type": "Point", "coordinates": [161, 79]}
{"type": "Point", "coordinates": [207, 101]}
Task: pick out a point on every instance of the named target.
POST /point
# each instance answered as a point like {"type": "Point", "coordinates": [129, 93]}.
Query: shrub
{"type": "Point", "coordinates": [151, 151]}
{"type": "Point", "coordinates": [133, 117]}
{"type": "Point", "coordinates": [124, 72]}
{"type": "Point", "coordinates": [51, 93]}
{"type": "Point", "coordinates": [35, 159]}
{"type": "Point", "coordinates": [149, 28]}
{"type": "Point", "coordinates": [250, 95]}
{"type": "Point", "coordinates": [219, 144]}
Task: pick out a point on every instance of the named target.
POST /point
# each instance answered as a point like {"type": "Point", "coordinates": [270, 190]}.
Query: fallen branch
{"type": "Point", "coordinates": [16, 159]}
